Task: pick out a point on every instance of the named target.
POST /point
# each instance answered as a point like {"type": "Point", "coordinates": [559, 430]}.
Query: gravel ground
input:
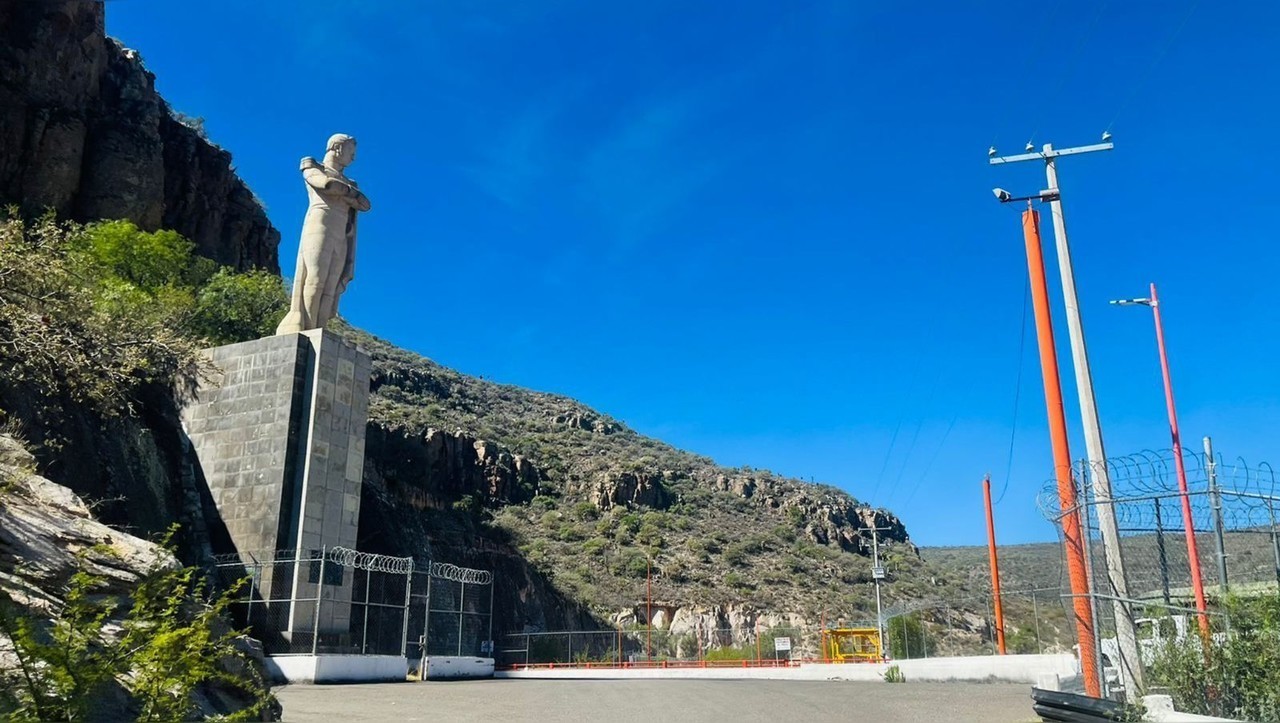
{"type": "Point", "coordinates": [741, 701]}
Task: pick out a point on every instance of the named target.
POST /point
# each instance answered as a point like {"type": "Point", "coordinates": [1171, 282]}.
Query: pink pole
{"type": "Point", "coordinates": [1192, 552]}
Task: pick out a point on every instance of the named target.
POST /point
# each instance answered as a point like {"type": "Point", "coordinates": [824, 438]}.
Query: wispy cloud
{"type": "Point", "coordinates": [638, 176]}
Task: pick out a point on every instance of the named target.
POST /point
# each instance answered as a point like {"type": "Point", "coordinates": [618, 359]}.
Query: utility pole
{"type": "Point", "coordinates": [648, 609]}
{"type": "Point", "coordinates": [1188, 523]}
{"type": "Point", "coordinates": [1215, 499]}
{"type": "Point", "coordinates": [877, 574]}
{"type": "Point", "coordinates": [1126, 631]}
{"type": "Point", "coordinates": [995, 565]}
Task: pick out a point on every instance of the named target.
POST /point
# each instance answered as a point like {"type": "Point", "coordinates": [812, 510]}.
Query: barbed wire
{"type": "Point", "coordinates": [370, 561]}
{"type": "Point", "coordinates": [361, 561]}
{"type": "Point", "coordinates": [1248, 494]}
{"type": "Point", "coordinates": [454, 573]}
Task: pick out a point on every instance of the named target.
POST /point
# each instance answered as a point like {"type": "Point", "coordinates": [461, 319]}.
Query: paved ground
{"type": "Point", "coordinates": [647, 701]}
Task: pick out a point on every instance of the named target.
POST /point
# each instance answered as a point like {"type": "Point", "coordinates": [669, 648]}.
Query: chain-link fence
{"type": "Point", "coordinates": [642, 647]}
{"type": "Point", "coordinates": [340, 601]}
{"type": "Point", "coordinates": [1035, 622]}
{"type": "Point", "coordinates": [1232, 544]}
{"type": "Point", "coordinates": [450, 611]}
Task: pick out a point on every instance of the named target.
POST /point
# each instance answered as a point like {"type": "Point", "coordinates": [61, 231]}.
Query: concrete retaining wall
{"type": "Point", "coordinates": [337, 668]}
{"type": "Point", "coordinates": [440, 667]}
{"type": "Point", "coordinates": [1008, 668]}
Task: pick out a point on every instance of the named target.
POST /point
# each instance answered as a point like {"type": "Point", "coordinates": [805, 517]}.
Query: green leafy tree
{"type": "Point", "coordinates": [72, 330]}
{"type": "Point", "coordinates": [147, 260]}
{"type": "Point", "coordinates": [234, 307]}
{"type": "Point", "coordinates": [908, 637]}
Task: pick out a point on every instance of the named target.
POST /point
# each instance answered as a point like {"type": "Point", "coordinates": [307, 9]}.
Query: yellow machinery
{"type": "Point", "coordinates": [852, 645]}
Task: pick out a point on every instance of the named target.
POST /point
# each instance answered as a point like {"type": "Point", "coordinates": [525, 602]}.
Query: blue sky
{"type": "Point", "coordinates": [764, 231]}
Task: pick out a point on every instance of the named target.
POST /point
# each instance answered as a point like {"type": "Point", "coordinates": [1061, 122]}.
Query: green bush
{"type": "Point", "coordinates": [235, 307]}
{"type": "Point", "coordinates": [148, 261]}
{"type": "Point", "coordinates": [171, 640]}
{"type": "Point", "coordinates": [74, 329]}
{"type": "Point", "coordinates": [1237, 675]}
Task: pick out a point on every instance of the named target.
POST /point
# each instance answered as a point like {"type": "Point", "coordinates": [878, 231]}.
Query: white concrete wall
{"type": "Point", "coordinates": [1009, 668]}
{"type": "Point", "coordinates": [442, 667]}
{"type": "Point", "coordinates": [337, 668]}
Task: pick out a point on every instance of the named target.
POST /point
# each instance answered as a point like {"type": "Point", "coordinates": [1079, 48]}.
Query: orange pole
{"type": "Point", "coordinates": [995, 565]}
{"type": "Point", "coordinates": [1071, 527]}
{"type": "Point", "coordinates": [648, 610]}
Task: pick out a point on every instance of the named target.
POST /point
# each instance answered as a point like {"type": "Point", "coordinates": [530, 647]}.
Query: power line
{"type": "Point", "coordinates": [1017, 390]}
{"type": "Point", "coordinates": [1142, 82]}
{"type": "Point", "coordinates": [934, 458]}
{"type": "Point", "coordinates": [1073, 61]}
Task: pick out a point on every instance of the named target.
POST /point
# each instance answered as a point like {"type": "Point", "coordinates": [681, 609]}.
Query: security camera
{"type": "Point", "coordinates": [1002, 194]}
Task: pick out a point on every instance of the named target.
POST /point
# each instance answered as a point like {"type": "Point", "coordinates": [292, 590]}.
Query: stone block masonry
{"type": "Point", "coordinates": [279, 433]}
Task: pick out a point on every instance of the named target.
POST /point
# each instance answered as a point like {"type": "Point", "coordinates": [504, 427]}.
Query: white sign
{"type": "Point", "coordinates": [486, 646]}
{"type": "Point", "coordinates": [782, 645]}
{"type": "Point", "coordinates": [877, 573]}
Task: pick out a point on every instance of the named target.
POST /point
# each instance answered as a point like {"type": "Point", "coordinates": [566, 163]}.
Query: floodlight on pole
{"type": "Point", "coordinates": [1045, 196]}
{"type": "Point", "coordinates": [1193, 553]}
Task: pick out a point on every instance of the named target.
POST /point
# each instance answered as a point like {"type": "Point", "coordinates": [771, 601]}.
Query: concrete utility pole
{"type": "Point", "coordinates": [1126, 632]}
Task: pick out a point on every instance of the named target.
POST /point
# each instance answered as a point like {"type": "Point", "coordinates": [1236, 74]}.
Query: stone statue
{"type": "Point", "coordinates": [326, 255]}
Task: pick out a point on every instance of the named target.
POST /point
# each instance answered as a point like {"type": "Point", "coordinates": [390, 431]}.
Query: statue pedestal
{"type": "Point", "coordinates": [279, 434]}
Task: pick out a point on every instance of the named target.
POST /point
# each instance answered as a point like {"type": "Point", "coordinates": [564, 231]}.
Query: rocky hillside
{"type": "Point", "coordinates": [83, 132]}
{"type": "Point", "coordinates": [594, 507]}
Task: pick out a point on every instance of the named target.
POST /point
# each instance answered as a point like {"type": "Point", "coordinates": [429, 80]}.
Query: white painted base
{"type": "Point", "coordinates": [441, 667]}
{"type": "Point", "coordinates": [337, 668]}
{"type": "Point", "coordinates": [1007, 668]}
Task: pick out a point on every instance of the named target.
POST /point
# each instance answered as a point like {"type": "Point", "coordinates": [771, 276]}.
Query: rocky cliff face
{"type": "Point", "coordinates": [436, 469]}
{"type": "Point", "coordinates": [83, 132]}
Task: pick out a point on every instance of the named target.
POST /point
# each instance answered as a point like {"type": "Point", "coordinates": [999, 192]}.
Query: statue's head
{"type": "Point", "coordinates": [341, 150]}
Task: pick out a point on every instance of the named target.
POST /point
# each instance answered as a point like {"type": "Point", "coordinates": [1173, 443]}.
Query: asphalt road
{"type": "Point", "coordinates": [647, 701]}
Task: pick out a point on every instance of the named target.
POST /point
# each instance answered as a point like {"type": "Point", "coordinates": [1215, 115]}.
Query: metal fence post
{"type": "Point", "coordinates": [1215, 501]}
{"type": "Point", "coordinates": [404, 626]}
{"type": "Point", "coordinates": [426, 617]}
{"type": "Point", "coordinates": [364, 633]}
{"type": "Point", "coordinates": [315, 624]}
{"type": "Point", "coordinates": [526, 650]}
{"type": "Point", "coordinates": [462, 606]}
{"type": "Point", "coordinates": [253, 584]}
{"type": "Point", "coordinates": [1275, 542]}
{"type": "Point", "coordinates": [1035, 611]}
{"type": "Point", "coordinates": [492, 644]}
{"type": "Point", "coordinates": [1164, 561]}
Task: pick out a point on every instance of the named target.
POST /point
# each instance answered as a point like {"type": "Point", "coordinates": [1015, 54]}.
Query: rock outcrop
{"type": "Point", "coordinates": [436, 469]}
{"type": "Point", "coordinates": [48, 535]}
{"type": "Point", "coordinates": [83, 132]}
{"type": "Point", "coordinates": [826, 516]}
{"type": "Point", "coordinates": [611, 489]}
